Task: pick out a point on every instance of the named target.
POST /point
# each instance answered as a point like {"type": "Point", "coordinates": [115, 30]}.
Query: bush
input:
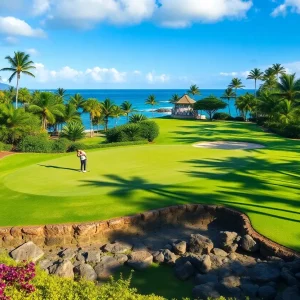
{"type": "Point", "coordinates": [116, 135]}
{"type": "Point", "coordinates": [291, 131]}
{"type": "Point", "coordinates": [60, 146]}
{"type": "Point", "coordinates": [132, 132]}
{"type": "Point", "coordinates": [149, 130]}
{"type": "Point", "coordinates": [73, 131]}
{"type": "Point", "coordinates": [239, 119]}
{"type": "Point", "coordinates": [5, 147]}
{"type": "Point", "coordinates": [137, 118]}
{"type": "Point", "coordinates": [36, 143]}
{"type": "Point", "coordinates": [76, 146]}
{"type": "Point", "coordinates": [221, 116]}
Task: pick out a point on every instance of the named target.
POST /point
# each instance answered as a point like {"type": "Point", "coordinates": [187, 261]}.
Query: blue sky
{"type": "Point", "coordinates": [149, 43]}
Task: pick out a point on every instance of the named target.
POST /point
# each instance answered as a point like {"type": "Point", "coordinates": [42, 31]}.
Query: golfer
{"type": "Point", "coordinates": [83, 159]}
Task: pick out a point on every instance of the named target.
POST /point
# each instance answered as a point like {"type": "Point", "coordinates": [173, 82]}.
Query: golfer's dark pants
{"type": "Point", "coordinates": [83, 165]}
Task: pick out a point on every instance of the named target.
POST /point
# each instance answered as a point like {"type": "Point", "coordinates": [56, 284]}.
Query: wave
{"type": "Point", "coordinates": [164, 101]}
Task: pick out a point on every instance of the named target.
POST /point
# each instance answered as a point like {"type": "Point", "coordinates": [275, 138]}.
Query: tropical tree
{"type": "Point", "coordinates": [236, 84]}
{"type": "Point", "coordinates": [278, 69]}
{"type": "Point", "coordinates": [174, 98]}
{"type": "Point", "coordinates": [93, 108]}
{"type": "Point", "coordinates": [47, 108]}
{"type": "Point", "coordinates": [289, 87]}
{"type": "Point", "coordinates": [77, 100]}
{"type": "Point", "coordinates": [151, 100]}
{"type": "Point", "coordinates": [117, 113]}
{"type": "Point", "coordinates": [270, 83]}
{"type": "Point", "coordinates": [127, 107]}
{"type": "Point", "coordinates": [229, 94]}
{"type": "Point", "coordinates": [245, 104]}
{"type": "Point", "coordinates": [194, 90]}
{"type": "Point", "coordinates": [71, 114]}
{"type": "Point", "coordinates": [137, 118]}
{"type": "Point", "coordinates": [210, 105]}
{"type": "Point", "coordinates": [61, 93]}
{"type": "Point", "coordinates": [287, 112]}
{"type": "Point", "coordinates": [73, 131]}
{"type": "Point", "coordinates": [107, 111]}
{"type": "Point", "coordinates": [20, 63]}
{"type": "Point", "coordinates": [25, 96]}
{"type": "Point", "coordinates": [255, 74]}
{"type": "Point", "coordinates": [268, 104]}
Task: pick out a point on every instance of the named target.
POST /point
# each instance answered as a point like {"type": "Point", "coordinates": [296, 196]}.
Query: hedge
{"type": "Point", "coordinates": [5, 147]}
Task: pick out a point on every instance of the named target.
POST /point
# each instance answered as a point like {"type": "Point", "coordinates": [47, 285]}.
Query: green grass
{"type": "Point", "coordinates": [264, 183]}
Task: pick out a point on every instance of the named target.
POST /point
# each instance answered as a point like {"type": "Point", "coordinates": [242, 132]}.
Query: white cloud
{"type": "Point", "coordinates": [243, 74]}
{"type": "Point", "coordinates": [40, 7]}
{"type": "Point", "coordinates": [106, 75]}
{"type": "Point", "coordinates": [293, 5]}
{"type": "Point", "coordinates": [231, 74]}
{"type": "Point", "coordinates": [293, 67]}
{"type": "Point", "coordinates": [10, 40]}
{"type": "Point", "coordinates": [152, 78]}
{"type": "Point", "coordinates": [15, 27]}
{"type": "Point", "coordinates": [32, 51]}
{"type": "Point", "coordinates": [179, 14]}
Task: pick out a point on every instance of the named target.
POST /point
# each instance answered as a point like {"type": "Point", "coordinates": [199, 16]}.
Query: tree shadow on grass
{"type": "Point", "coordinates": [59, 167]}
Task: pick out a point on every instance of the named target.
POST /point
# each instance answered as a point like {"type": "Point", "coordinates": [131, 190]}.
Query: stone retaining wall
{"type": "Point", "coordinates": [97, 232]}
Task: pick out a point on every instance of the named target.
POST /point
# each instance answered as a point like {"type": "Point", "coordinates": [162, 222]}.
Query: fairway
{"type": "Point", "coordinates": [264, 183]}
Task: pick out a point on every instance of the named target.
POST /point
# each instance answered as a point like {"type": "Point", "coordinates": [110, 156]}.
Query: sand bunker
{"type": "Point", "coordinates": [228, 145]}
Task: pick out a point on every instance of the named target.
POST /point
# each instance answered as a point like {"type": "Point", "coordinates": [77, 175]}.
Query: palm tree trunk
{"type": "Point", "coordinates": [229, 106]}
{"type": "Point", "coordinates": [17, 94]}
{"type": "Point", "coordinates": [256, 102]}
{"type": "Point", "coordinates": [91, 126]}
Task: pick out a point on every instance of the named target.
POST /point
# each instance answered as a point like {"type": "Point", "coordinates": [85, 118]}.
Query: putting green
{"type": "Point", "coordinates": [264, 183]}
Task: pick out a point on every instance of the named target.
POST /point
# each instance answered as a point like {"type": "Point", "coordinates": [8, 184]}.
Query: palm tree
{"type": "Point", "coordinates": [278, 69]}
{"type": "Point", "coordinates": [268, 104]}
{"type": "Point", "coordinates": [255, 74]}
{"type": "Point", "coordinates": [107, 110]}
{"type": "Point", "coordinates": [194, 90]}
{"type": "Point", "coordinates": [19, 64]}
{"type": "Point", "coordinates": [236, 84]}
{"type": "Point", "coordinates": [245, 104]}
{"type": "Point", "coordinates": [127, 108]}
{"type": "Point", "coordinates": [77, 100]}
{"type": "Point", "coordinates": [73, 131]}
{"type": "Point", "coordinates": [287, 112]}
{"type": "Point", "coordinates": [25, 96]}
{"type": "Point", "coordinates": [47, 108]}
{"type": "Point", "coordinates": [174, 98]}
{"type": "Point", "coordinates": [228, 94]}
{"type": "Point", "coordinates": [289, 87]}
{"type": "Point", "coordinates": [71, 114]}
{"type": "Point", "coordinates": [92, 106]}
{"type": "Point", "coordinates": [117, 113]}
{"type": "Point", "coordinates": [61, 93]}
{"type": "Point", "coordinates": [137, 118]}
{"type": "Point", "coordinates": [151, 100]}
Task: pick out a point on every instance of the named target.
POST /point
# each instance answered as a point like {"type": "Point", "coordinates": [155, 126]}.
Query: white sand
{"type": "Point", "coordinates": [228, 145]}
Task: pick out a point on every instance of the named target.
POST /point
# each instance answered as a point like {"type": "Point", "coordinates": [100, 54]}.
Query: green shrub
{"type": "Point", "coordinates": [132, 132]}
{"type": "Point", "coordinates": [73, 131]}
{"type": "Point", "coordinates": [149, 130]}
{"type": "Point", "coordinates": [76, 146]}
{"type": "Point", "coordinates": [116, 135]}
{"type": "Point", "coordinates": [60, 145]}
{"type": "Point", "coordinates": [36, 143]}
{"type": "Point", "coordinates": [5, 147]}
{"type": "Point", "coordinates": [221, 116]}
{"type": "Point", "coordinates": [137, 118]}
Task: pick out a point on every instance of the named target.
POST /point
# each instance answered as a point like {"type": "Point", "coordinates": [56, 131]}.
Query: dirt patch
{"type": "Point", "coordinates": [228, 145]}
{"type": "Point", "coordinates": [5, 153]}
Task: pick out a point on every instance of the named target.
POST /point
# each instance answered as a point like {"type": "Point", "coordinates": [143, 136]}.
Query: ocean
{"type": "Point", "coordinates": [138, 98]}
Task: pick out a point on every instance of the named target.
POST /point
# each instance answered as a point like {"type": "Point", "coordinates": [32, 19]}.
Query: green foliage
{"type": "Point", "coordinates": [194, 90]}
{"type": "Point", "coordinates": [149, 130]}
{"type": "Point", "coordinates": [210, 105]}
{"type": "Point", "coordinates": [60, 145]}
{"type": "Point", "coordinates": [76, 146]}
{"type": "Point", "coordinates": [73, 131]}
{"type": "Point", "coordinates": [221, 116]}
{"type": "Point", "coordinates": [36, 143]}
{"type": "Point", "coordinates": [137, 118]}
{"type": "Point", "coordinates": [5, 147]}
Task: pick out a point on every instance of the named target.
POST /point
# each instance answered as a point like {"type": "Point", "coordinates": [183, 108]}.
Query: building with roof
{"type": "Point", "coordinates": [184, 108]}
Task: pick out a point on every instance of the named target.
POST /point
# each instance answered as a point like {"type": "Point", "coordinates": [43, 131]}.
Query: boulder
{"type": "Point", "coordinates": [179, 247]}
{"type": "Point", "coordinates": [169, 256]}
{"type": "Point", "coordinates": [45, 264]}
{"type": "Point", "coordinates": [86, 271]}
{"type": "Point", "coordinates": [81, 256]}
{"type": "Point", "coordinates": [201, 262]}
{"type": "Point", "coordinates": [291, 293]}
{"type": "Point", "coordinates": [229, 241]}
{"type": "Point", "coordinates": [28, 252]}
{"type": "Point", "coordinates": [117, 248]}
{"type": "Point", "coordinates": [231, 281]}
{"type": "Point", "coordinates": [264, 272]}
{"type": "Point", "coordinates": [200, 244]}
{"type": "Point", "coordinates": [184, 271]}
{"type": "Point", "coordinates": [65, 269]}
{"type": "Point", "coordinates": [238, 269]}
{"type": "Point", "coordinates": [92, 256]}
{"type": "Point", "coordinates": [297, 275]}
{"type": "Point", "coordinates": [249, 244]}
{"type": "Point", "coordinates": [158, 257]}
{"type": "Point", "coordinates": [266, 292]}
{"type": "Point", "coordinates": [67, 254]}
{"type": "Point", "coordinates": [140, 260]}
{"type": "Point", "coordinates": [204, 291]}
{"type": "Point", "coordinates": [288, 277]}
{"type": "Point", "coordinates": [232, 256]}
{"type": "Point", "coordinates": [106, 267]}
{"type": "Point", "coordinates": [250, 290]}
{"type": "Point", "coordinates": [206, 278]}
{"type": "Point", "coordinates": [294, 266]}
{"type": "Point", "coordinates": [121, 258]}
{"type": "Point", "coordinates": [219, 252]}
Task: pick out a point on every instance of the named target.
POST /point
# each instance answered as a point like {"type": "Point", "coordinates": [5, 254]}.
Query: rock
{"type": "Point", "coordinates": [216, 261]}
{"type": "Point", "coordinates": [184, 271]}
{"type": "Point", "coordinates": [121, 258]}
{"type": "Point", "coordinates": [238, 269]}
{"type": "Point", "coordinates": [81, 256]}
{"type": "Point", "coordinates": [294, 266]}
{"type": "Point", "coordinates": [65, 269]}
{"type": "Point", "coordinates": [201, 262]}
{"type": "Point", "coordinates": [249, 244]}
{"type": "Point", "coordinates": [28, 252]}
{"type": "Point", "coordinates": [158, 257]}
{"type": "Point", "coordinates": [106, 267]}
{"type": "Point", "coordinates": [266, 292]}
{"type": "Point", "coordinates": [168, 247]}
{"type": "Point", "coordinates": [232, 256]}
{"type": "Point", "coordinates": [250, 290]}
{"type": "Point", "coordinates": [206, 278]}
{"type": "Point", "coordinates": [231, 281]}
{"type": "Point", "coordinates": [45, 264]}
{"type": "Point", "coordinates": [219, 252]}
{"type": "Point", "coordinates": [67, 254]}
{"type": "Point", "coordinates": [179, 247]}
{"type": "Point", "coordinates": [200, 244]}
{"type": "Point", "coordinates": [264, 273]}
{"type": "Point", "coordinates": [140, 260]}
{"type": "Point", "coordinates": [169, 257]}
{"type": "Point", "coordinates": [117, 248]}
{"type": "Point", "coordinates": [87, 272]}
{"type": "Point", "coordinates": [288, 277]}
{"type": "Point", "coordinates": [229, 241]}
{"type": "Point", "coordinates": [204, 291]}
{"type": "Point", "coordinates": [297, 275]}
{"type": "Point", "coordinates": [291, 293]}
{"type": "Point", "coordinates": [92, 256]}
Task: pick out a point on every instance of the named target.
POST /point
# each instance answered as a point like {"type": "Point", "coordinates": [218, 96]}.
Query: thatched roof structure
{"type": "Point", "coordinates": [186, 99]}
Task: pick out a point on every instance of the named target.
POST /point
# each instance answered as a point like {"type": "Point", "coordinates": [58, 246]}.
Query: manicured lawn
{"type": "Point", "coordinates": [264, 183]}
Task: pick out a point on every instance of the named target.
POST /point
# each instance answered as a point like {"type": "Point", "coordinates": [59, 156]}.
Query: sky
{"type": "Point", "coordinates": [148, 44]}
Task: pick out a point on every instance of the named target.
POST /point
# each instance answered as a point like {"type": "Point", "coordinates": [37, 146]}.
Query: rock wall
{"type": "Point", "coordinates": [103, 231]}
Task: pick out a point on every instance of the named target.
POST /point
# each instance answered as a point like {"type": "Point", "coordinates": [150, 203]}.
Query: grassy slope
{"type": "Point", "coordinates": [263, 183]}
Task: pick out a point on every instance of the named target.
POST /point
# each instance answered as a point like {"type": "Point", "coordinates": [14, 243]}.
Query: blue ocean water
{"type": "Point", "coordinates": [138, 98]}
